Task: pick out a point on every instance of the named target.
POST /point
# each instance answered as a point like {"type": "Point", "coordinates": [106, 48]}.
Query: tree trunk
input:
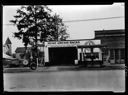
{"type": "Point", "coordinates": [25, 51]}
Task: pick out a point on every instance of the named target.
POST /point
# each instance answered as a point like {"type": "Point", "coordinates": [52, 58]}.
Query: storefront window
{"type": "Point", "coordinates": [122, 54]}
{"type": "Point", "coordinates": [105, 52]}
{"type": "Point", "coordinates": [116, 54]}
{"type": "Point", "coordinates": [111, 53]}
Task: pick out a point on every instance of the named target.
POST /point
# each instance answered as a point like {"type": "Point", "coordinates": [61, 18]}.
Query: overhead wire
{"type": "Point", "coordinates": [94, 19]}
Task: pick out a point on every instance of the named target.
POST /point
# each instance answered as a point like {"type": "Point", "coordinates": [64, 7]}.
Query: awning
{"type": "Point", "coordinates": [91, 46]}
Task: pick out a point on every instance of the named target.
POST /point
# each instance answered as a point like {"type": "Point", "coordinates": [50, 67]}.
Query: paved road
{"type": "Point", "coordinates": [100, 80]}
{"type": "Point", "coordinates": [63, 68]}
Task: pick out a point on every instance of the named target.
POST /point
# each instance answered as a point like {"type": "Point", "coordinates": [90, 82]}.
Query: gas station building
{"type": "Point", "coordinates": [107, 46]}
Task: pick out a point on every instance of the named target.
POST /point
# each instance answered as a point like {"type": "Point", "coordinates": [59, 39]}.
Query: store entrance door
{"type": "Point", "coordinates": [62, 55]}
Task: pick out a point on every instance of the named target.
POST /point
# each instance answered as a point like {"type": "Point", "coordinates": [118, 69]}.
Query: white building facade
{"type": "Point", "coordinates": [70, 50]}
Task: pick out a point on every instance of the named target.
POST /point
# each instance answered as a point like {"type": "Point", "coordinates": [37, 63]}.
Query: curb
{"type": "Point", "coordinates": [63, 68]}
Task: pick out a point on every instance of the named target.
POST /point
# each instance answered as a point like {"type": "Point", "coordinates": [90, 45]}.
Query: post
{"type": "Point", "coordinates": [37, 61]}
{"type": "Point", "coordinates": [36, 49]}
{"type": "Point", "coordinates": [109, 55]}
{"type": "Point", "coordinates": [114, 55]}
{"type": "Point", "coordinates": [119, 56]}
{"type": "Point", "coordinates": [92, 55]}
{"type": "Point", "coordinates": [43, 53]}
{"type": "Point", "coordinates": [36, 40]}
{"type": "Point", "coordinates": [82, 54]}
{"type": "Point", "coordinates": [100, 54]}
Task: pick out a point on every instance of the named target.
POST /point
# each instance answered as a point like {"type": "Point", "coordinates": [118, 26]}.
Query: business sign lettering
{"type": "Point", "coordinates": [63, 43]}
{"type": "Point", "coordinates": [71, 43]}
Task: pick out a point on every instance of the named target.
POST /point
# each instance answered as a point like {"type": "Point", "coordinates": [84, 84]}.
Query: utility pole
{"type": "Point", "coordinates": [36, 38]}
{"type": "Point", "coordinates": [43, 52]}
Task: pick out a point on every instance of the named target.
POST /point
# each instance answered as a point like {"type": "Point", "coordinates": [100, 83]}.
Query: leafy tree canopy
{"type": "Point", "coordinates": [36, 22]}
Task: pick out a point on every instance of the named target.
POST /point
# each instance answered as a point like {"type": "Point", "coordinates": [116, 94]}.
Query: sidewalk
{"type": "Point", "coordinates": [63, 68]}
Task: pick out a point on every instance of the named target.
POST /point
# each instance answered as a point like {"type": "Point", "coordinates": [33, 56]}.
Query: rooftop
{"type": "Point", "coordinates": [109, 33]}
{"type": "Point", "coordinates": [21, 49]}
{"type": "Point", "coordinates": [8, 41]}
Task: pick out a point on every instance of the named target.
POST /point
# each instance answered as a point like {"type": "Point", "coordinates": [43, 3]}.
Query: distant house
{"type": "Point", "coordinates": [7, 47]}
{"type": "Point", "coordinates": [20, 52]}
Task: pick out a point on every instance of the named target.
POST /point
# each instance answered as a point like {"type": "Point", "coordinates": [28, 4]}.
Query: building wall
{"type": "Point", "coordinates": [115, 42]}
{"type": "Point", "coordinates": [69, 43]}
{"type": "Point", "coordinates": [18, 56]}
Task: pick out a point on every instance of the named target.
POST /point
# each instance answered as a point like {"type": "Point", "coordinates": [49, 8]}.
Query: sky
{"type": "Point", "coordinates": [76, 30]}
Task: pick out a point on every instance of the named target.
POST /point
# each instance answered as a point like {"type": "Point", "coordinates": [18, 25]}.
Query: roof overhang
{"type": "Point", "coordinates": [91, 46]}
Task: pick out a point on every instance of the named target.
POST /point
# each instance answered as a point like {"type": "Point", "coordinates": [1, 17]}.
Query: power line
{"type": "Point", "coordinates": [95, 19]}
{"type": "Point", "coordinates": [87, 19]}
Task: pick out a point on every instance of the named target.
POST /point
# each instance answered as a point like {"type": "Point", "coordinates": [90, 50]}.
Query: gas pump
{"type": "Point", "coordinates": [91, 57]}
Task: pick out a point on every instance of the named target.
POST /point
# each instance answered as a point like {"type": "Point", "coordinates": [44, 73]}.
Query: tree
{"type": "Point", "coordinates": [35, 22]}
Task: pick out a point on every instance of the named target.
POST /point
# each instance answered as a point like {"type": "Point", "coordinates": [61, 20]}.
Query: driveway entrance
{"type": "Point", "coordinates": [62, 55]}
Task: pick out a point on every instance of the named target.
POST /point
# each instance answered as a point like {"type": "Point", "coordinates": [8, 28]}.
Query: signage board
{"type": "Point", "coordinates": [72, 43]}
